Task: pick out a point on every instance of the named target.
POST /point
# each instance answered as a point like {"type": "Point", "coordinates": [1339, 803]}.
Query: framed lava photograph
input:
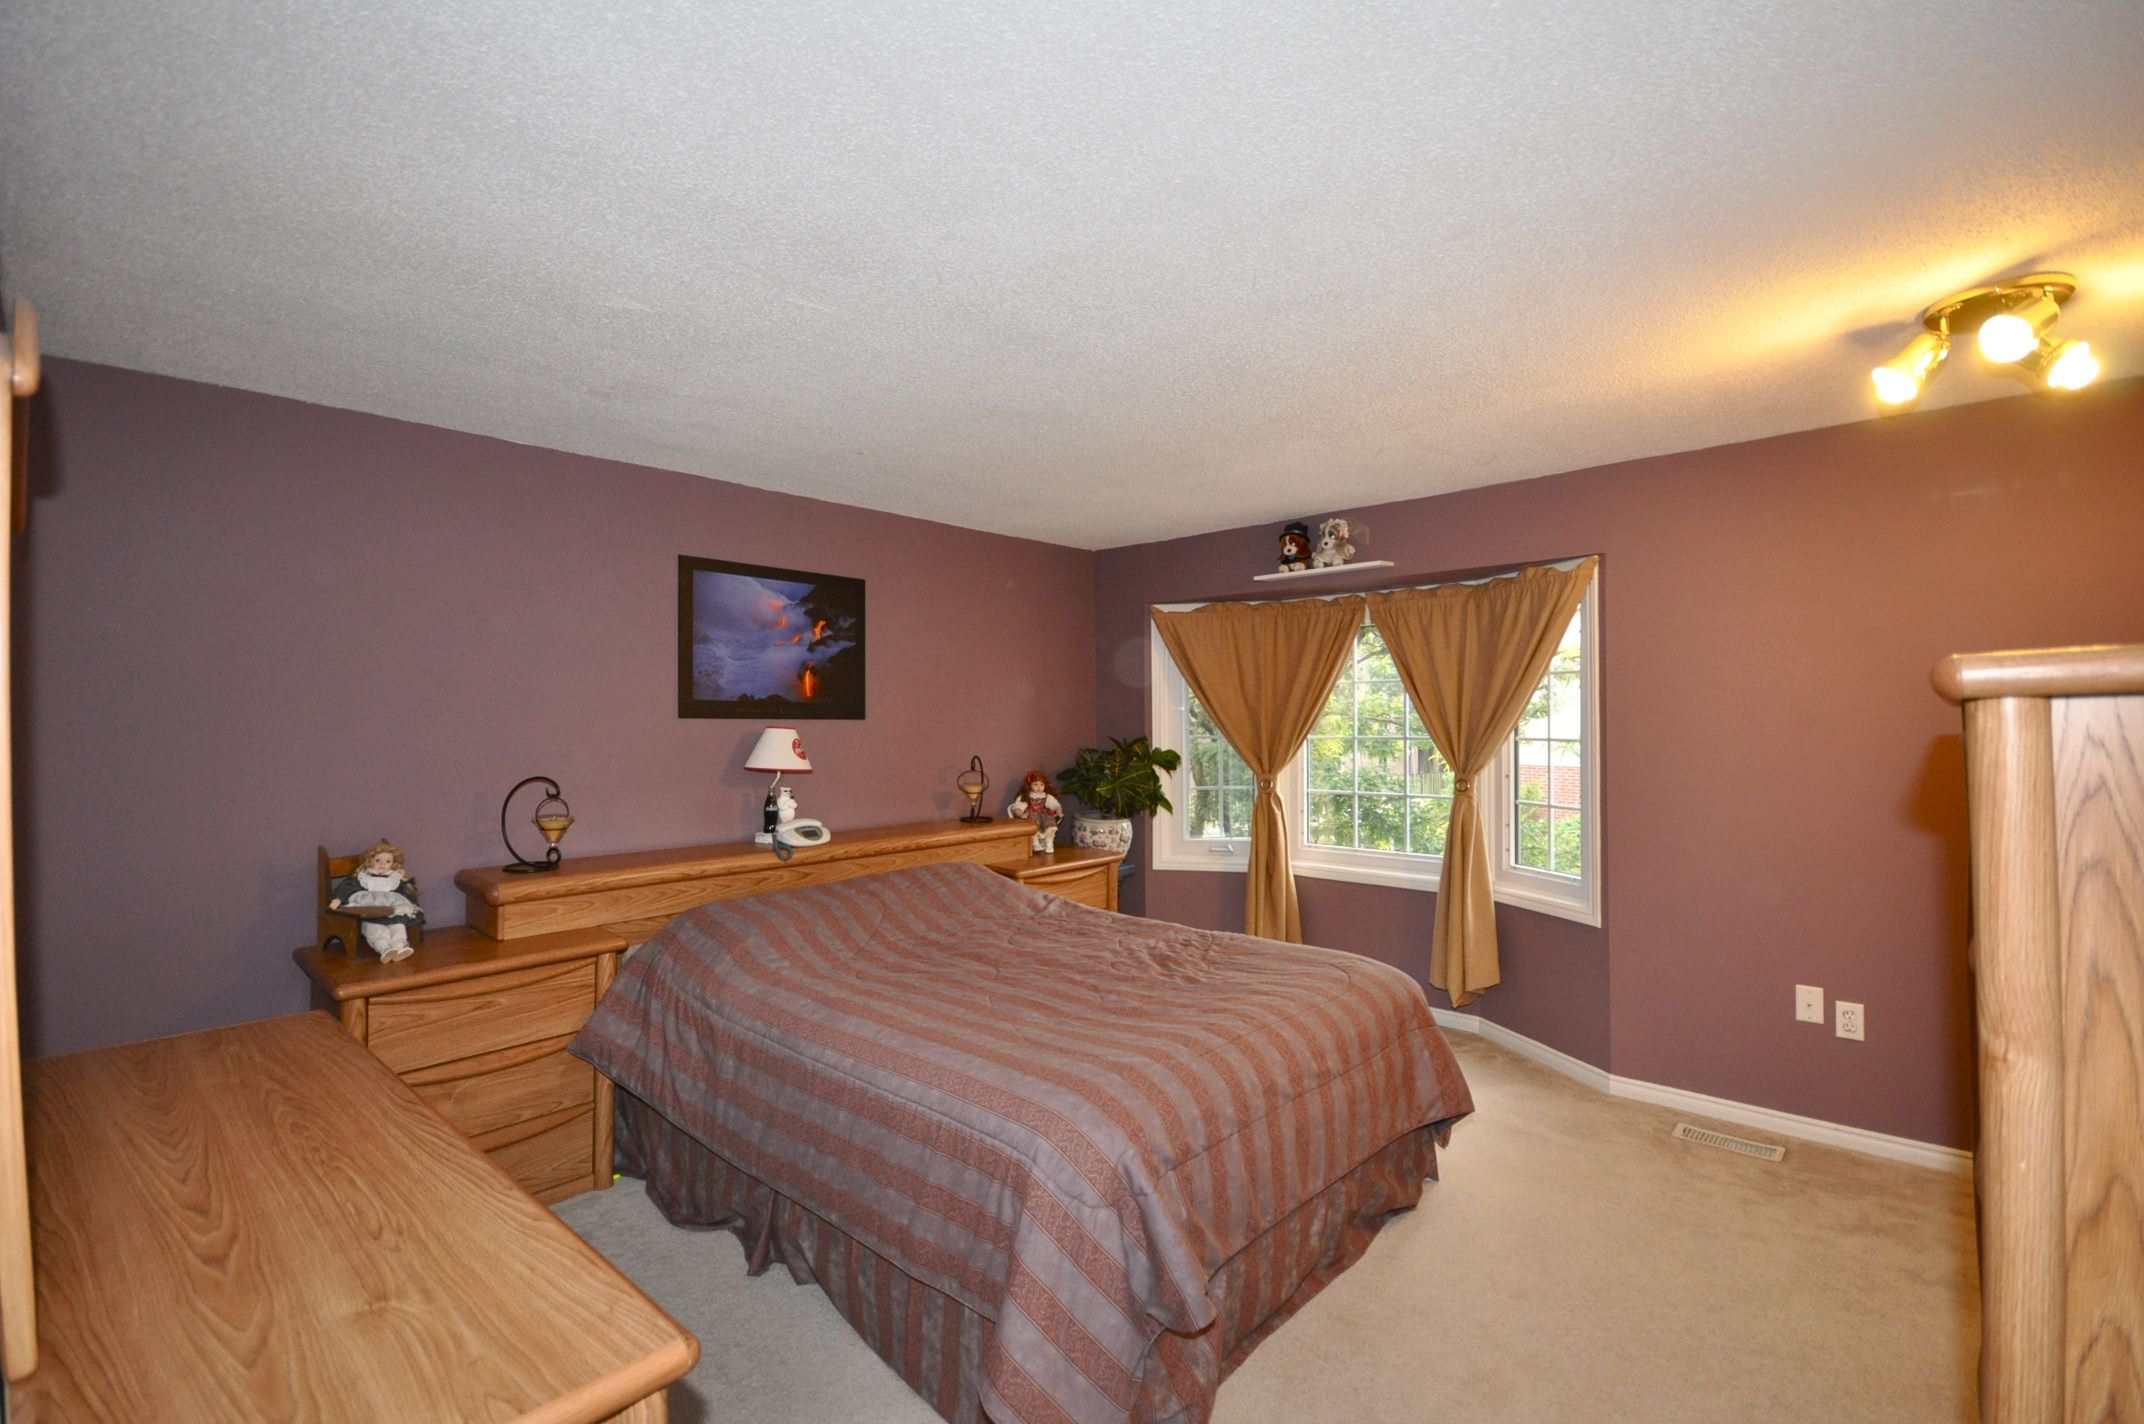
{"type": "Point", "coordinates": [768, 644]}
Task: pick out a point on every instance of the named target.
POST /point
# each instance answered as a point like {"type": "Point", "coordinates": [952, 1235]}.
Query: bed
{"type": "Point", "coordinates": [1052, 1163]}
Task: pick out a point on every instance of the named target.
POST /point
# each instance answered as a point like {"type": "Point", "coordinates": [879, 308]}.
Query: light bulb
{"type": "Point", "coordinates": [2074, 367]}
{"type": "Point", "coordinates": [2011, 335]}
{"type": "Point", "coordinates": [1899, 380]}
{"type": "Point", "coordinates": [1895, 387]}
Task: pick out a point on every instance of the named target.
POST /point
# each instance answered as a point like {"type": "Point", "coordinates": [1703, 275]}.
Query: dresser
{"type": "Point", "coordinates": [479, 1028]}
{"type": "Point", "coordinates": [2054, 743]}
{"type": "Point", "coordinates": [263, 1223]}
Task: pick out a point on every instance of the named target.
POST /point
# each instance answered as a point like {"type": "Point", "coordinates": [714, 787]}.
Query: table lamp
{"type": "Point", "coordinates": [779, 750]}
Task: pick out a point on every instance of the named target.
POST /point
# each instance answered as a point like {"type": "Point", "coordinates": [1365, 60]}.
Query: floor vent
{"type": "Point", "coordinates": [1742, 1145]}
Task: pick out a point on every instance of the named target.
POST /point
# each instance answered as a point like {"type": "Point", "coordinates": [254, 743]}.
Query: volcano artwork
{"type": "Point", "coordinates": [768, 644]}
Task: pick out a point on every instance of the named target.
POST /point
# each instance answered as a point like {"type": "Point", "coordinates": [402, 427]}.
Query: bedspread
{"type": "Point", "coordinates": [1067, 1120]}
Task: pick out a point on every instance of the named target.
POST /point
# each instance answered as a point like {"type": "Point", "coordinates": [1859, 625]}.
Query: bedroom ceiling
{"type": "Point", "coordinates": [1097, 273]}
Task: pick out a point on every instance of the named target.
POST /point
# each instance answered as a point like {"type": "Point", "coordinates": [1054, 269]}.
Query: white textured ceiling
{"type": "Point", "coordinates": [1095, 273]}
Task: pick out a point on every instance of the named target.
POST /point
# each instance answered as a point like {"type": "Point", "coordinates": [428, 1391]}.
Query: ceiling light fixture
{"type": "Point", "coordinates": [2011, 321]}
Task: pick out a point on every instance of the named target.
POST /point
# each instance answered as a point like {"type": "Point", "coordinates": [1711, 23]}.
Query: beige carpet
{"type": "Point", "coordinates": [1576, 1263]}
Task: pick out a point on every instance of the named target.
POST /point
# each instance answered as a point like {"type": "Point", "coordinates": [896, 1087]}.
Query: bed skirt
{"type": "Point", "coordinates": [937, 1344]}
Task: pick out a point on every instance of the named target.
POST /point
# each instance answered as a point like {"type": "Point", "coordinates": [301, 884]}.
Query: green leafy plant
{"type": "Point", "coordinates": [1121, 779]}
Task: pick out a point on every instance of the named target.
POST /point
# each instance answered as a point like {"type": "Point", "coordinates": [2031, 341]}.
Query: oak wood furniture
{"type": "Point", "coordinates": [261, 1222]}
{"type": "Point", "coordinates": [20, 367]}
{"type": "Point", "coordinates": [479, 1028]}
{"type": "Point", "coordinates": [637, 893]}
{"type": "Point", "coordinates": [1078, 873]}
{"type": "Point", "coordinates": [2054, 745]}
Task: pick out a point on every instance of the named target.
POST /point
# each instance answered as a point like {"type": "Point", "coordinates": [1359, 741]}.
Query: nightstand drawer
{"type": "Point", "coordinates": [419, 1027]}
{"type": "Point", "coordinates": [1083, 884]}
{"type": "Point", "coordinates": [555, 1163]}
{"type": "Point", "coordinates": [481, 1095]}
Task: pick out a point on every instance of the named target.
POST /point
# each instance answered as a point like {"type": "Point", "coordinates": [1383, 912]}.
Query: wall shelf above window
{"type": "Point", "coordinates": [1329, 569]}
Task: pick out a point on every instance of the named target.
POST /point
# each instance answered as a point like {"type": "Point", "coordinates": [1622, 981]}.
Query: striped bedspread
{"type": "Point", "coordinates": [1071, 1122]}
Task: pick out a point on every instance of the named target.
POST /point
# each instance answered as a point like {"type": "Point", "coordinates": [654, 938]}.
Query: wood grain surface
{"type": "Point", "coordinates": [440, 1022]}
{"type": "Point", "coordinates": [1079, 873]}
{"type": "Point", "coordinates": [602, 890]}
{"type": "Point", "coordinates": [2099, 816]}
{"type": "Point", "coordinates": [262, 1222]}
{"type": "Point", "coordinates": [2017, 985]}
{"type": "Point", "coordinates": [2042, 672]}
{"type": "Point", "coordinates": [449, 955]}
{"type": "Point", "coordinates": [18, 1308]}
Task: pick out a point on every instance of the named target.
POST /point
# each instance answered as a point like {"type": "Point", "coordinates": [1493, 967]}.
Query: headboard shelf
{"type": "Point", "coordinates": [592, 891]}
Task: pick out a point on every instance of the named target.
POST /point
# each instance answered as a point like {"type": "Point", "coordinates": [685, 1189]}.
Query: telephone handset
{"type": "Point", "coordinates": [799, 832]}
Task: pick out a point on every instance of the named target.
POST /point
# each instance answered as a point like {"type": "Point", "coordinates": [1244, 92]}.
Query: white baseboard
{"type": "Point", "coordinates": [1785, 1124]}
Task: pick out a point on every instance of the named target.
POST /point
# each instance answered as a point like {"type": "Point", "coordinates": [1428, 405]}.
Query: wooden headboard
{"type": "Point", "coordinates": [636, 893]}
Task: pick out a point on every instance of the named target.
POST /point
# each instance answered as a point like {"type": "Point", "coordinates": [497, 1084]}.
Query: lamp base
{"type": "Point", "coordinates": [977, 820]}
{"type": "Point", "coordinates": [763, 837]}
{"type": "Point", "coordinates": [522, 867]}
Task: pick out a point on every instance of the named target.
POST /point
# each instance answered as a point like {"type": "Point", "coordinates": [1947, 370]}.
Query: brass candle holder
{"type": "Point", "coordinates": [552, 819]}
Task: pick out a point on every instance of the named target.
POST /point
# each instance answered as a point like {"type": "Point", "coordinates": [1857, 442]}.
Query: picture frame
{"type": "Point", "coordinates": [768, 644]}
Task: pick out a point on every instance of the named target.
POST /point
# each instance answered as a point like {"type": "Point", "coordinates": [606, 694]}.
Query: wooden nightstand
{"type": "Point", "coordinates": [1086, 876]}
{"type": "Point", "coordinates": [479, 1028]}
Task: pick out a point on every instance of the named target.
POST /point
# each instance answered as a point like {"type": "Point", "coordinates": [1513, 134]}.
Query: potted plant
{"type": "Point", "coordinates": [1116, 783]}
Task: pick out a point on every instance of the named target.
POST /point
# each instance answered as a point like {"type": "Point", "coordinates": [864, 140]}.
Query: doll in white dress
{"type": "Point", "coordinates": [381, 881]}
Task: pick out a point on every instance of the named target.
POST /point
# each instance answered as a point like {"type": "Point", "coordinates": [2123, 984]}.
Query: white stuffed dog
{"type": "Point", "coordinates": [1333, 548]}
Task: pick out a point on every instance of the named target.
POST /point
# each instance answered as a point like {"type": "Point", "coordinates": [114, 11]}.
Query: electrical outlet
{"type": "Point", "coordinates": [1849, 1023]}
{"type": "Point", "coordinates": [1808, 1004]}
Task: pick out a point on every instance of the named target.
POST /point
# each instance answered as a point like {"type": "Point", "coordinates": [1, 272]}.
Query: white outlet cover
{"type": "Point", "coordinates": [1808, 1004]}
{"type": "Point", "coordinates": [1850, 1021]}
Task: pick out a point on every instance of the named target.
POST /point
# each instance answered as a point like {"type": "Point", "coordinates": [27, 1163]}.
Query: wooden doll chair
{"type": "Point", "coordinates": [338, 929]}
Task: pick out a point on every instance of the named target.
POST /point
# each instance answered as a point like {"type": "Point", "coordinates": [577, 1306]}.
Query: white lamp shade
{"type": "Point", "coordinates": [778, 749]}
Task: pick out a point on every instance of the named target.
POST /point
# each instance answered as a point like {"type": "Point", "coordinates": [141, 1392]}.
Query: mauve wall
{"type": "Point", "coordinates": [249, 626]}
{"type": "Point", "coordinates": [1783, 794]}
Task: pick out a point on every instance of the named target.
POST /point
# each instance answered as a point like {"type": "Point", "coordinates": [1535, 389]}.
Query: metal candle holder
{"type": "Point", "coordinates": [551, 824]}
{"type": "Point", "coordinates": [973, 783]}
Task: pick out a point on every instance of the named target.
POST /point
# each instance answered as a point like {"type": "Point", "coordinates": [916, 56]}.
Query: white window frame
{"type": "Point", "coordinates": [1513, 884]}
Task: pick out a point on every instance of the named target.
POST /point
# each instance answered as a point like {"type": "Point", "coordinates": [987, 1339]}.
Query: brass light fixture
{"type": "Point", "coordinates": [2010, 322]}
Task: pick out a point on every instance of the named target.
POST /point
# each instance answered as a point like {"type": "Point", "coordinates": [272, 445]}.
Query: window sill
{"type": "Point", "coordinates": [1518, 896]}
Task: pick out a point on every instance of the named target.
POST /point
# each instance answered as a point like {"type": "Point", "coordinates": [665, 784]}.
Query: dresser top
{"type": "Point", "coordinates": [262, 1222]}
{"type": "Point", "coordinates": [457, 952]}
{"type": "Point", "coordinates": [595, 874]}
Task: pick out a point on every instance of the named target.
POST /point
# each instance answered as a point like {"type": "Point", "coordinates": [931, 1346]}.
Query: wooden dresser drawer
{"type": "Point", "coordinates": [484, 1094]}
{"type": "Point", "coordinates": [1085, 884]}
{"type": "Point", "coordinates": [551, 1164]}
{"type": "Point", "coordinates": [419, 1027]}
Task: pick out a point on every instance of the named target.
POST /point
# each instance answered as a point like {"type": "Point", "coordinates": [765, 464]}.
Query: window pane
{"type": "Point", "coordinates": [1567, 851]}
{"type": "Point", "coordinates": [1382, 822]}
{"type": "Point", "coordinates": [1567, 784]}
{"type": "Point", "coordinates": [1331, 768]}
{"type": "Point", "coordinates": [1196, 722]}
{"type": "Point", "coordinates": [1205, 763]}
{"type": "Point", "coordinates": [1380, 709]}
{"type": "Point", "coordinates": [1372, 659]}
{"type": "Point", "coordinates": [1202, 814]}
{"type": "Point", "coordinates": [1431, 819]}
{"type": "Point", "coordinates": [1380, 764]}
{"type": "Point", "coordinates": [1427, 775]}
{"type": "Point", "coordinates": [1332, 819]}
{"type": "Point", "coordinates": [1530, 843]}
{"type": "Point", "coordinates": [1237, 803]}
{"type": "Point", "coordinates": [1533, 722]}
{"type": "Point", "coordinates": [1337, 721]}
{"type": "Point", "coordinates": [1414, 723]}
{"type": "Point", "coordinates": [1564, 707]}
{"type": "Point", "coordinates": [1530, 786]}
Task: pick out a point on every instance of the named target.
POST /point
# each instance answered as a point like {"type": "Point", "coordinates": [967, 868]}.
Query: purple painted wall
{"type": "Point", "coordinates": [1783, 794]}
{"type": "Point", "coordinates": [249, 626]}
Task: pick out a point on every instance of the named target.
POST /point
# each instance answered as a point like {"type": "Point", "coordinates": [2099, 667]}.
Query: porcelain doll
{"type": "Point", "coordinates": [381, 880]}
{"type": "Point", "coordinates": [1038, 803]}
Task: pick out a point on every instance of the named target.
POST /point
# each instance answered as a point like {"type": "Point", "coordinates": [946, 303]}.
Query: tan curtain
{"type": "Point", "coordinates": [1263, 672]}
{"type": "Point", "coordinates": [1470, 656]}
